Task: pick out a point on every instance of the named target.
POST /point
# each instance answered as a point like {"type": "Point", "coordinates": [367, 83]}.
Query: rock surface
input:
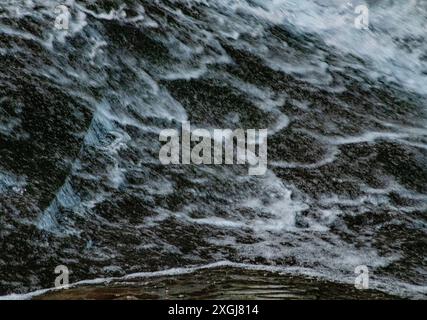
{"type": "Point", "coordinates": [221, 283]}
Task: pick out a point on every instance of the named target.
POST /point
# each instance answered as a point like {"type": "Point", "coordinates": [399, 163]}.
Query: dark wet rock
{"type": "Point", "coordinates": [210, 103]}
{"type": "Point", "coordinates": [292, 146]}
{"type": "Point", "coordinates": [221, 284]}
{"type": "Point", "coordinates": [82, 153]}
{"type": "Point", "coordinates": [48, 137]}
{"type": "Point", "coordinates": [407, 164]}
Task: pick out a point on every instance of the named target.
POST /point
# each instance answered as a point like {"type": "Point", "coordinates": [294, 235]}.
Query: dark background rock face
{"type": "Point", "coordinates": [81, 111]}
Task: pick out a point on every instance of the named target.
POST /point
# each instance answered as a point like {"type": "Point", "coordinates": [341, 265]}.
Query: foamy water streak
{"type": "Point", "coordinates": [347, 145]}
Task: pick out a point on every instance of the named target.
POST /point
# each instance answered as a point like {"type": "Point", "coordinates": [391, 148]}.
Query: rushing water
{"type": "Point", "coordinates": [81, 111]}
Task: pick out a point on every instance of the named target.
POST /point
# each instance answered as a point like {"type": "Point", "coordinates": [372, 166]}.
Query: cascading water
{"type": "Point", "coordinates": [81, 110]}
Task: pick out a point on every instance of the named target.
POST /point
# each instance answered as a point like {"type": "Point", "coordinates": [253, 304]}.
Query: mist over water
{"type": "Point", "coordinates": [81, 110]}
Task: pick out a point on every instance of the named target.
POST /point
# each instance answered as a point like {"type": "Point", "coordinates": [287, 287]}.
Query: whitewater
{"type": "Point", "coordinates": [81, 111]}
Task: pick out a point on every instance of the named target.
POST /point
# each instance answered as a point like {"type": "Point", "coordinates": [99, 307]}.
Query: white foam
{"type": "Point", "coordinates": [13, 183]}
